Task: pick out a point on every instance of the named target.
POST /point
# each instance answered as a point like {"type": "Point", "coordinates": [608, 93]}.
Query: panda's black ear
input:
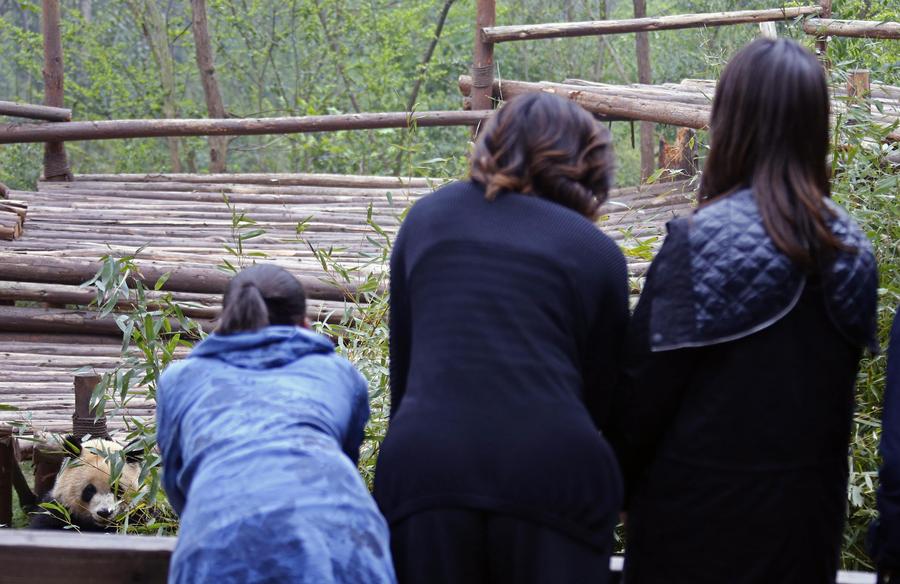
{"type": "Point", "coordinates": [71, 445]}
{"type": "Point", "coordinates": [134, 451]}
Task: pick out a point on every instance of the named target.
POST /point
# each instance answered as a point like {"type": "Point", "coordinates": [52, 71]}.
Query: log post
{"type": "Point", "coordinates": [56, 164]}
{"type": "Point", "coordinates": [86, 420]}
{"type": "Point", "coordinates": [822, 41]}
{"type": "Point", "coordinates": [47, 462]}
{"type": "Point", "coordinates": [7, 460]}
{"type": "Point", "coordinates": [483, 59]}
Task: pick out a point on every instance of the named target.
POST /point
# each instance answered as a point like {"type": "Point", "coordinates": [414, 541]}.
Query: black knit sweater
{"type": "Point", "coordinates": [507, 324]}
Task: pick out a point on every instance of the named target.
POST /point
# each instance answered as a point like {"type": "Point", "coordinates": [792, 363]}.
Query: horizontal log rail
{"type": "Point", "coordinates": [35, 112]}
{"type": "Point", "coordinates": [526, 32]}
{"type": "Point", "coordinates": [852, 28]}
{"type": "Point", "coordinates": [119, 129]}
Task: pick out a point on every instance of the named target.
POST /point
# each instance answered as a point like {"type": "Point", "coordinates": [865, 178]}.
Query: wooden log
{"type": "Point", "coordinates": [595, 101]}
{"type": "Point", "coordinates": [274, 179]}
{"type": "Point", "coordinates": [31, 268]}
{"type": "Point", "coordinates": [61, 557]}
{"type": "Point", "coordinates": [55, 320]}
{"type": "Point", "coordinates": [119, 129]}
{"type": "Point", "coordinates": [56, 164]}
{"type": "Point", "coordinates": [35, 112]}
{"type": "Point", "coordinates": [501, 34]}
{"type": "Point", "coordinates": [192, 305]}
{"type": "Point", "coordinates": [869, 29]}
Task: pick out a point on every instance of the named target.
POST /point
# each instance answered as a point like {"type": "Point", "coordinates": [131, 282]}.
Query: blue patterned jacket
{"type": "Point", "coordinates": [259, 434]}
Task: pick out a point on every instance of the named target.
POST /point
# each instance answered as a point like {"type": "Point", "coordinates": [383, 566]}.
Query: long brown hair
{"type": "Point", "coordinates": [769, 131]}
{"type": "Point", "coordinates": [544, 145]}
{"type": "Point", "coordinates": [260, 296]}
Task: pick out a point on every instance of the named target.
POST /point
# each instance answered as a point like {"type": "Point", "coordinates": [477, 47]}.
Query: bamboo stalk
{"type": "Point", "coordinates": [501, 34]}
{"type": "Point", "coordinates": [119, 129]}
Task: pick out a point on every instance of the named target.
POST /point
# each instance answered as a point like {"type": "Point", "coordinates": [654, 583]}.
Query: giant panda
{"type": "Point", "coordinates": [83, 486]}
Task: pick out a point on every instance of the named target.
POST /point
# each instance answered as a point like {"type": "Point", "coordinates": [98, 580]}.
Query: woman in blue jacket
{"type": "Point", "coordinates": [259, 430]}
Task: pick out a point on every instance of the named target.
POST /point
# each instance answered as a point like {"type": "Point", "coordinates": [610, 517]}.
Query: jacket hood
{"type": "Point", "coordinates": [274, 346]}
{"type": "Point", "coordinates": [720, 277]}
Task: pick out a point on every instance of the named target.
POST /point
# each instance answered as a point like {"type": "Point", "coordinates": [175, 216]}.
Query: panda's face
{"type": "Point", "coordinates": [83, 485]}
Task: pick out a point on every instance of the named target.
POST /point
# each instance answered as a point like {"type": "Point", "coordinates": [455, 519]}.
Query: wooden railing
{"type": "Point", "coordinates": [66, 558]}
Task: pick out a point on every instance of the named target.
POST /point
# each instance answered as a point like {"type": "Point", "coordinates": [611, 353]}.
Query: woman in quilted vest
{"type": "Point", "coordinates": [745, 345]}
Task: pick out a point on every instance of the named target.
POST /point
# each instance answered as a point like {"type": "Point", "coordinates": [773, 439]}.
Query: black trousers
{"type": "Point", "coordinates": [462, 546]}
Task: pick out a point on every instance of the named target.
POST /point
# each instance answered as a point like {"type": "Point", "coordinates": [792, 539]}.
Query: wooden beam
{"type": "Point", "coordinates": [483, 59]}
{"type": "Point", "coordinates": [870, 29]}
{"type": "Point", "coordinates": [35, 112]}
{"type": "Point", "coordinates": [502, 34]}
{"type": "Point", "coordinates": [57, 320]}
{"type": "Point", "coordinates": [56, 164]}
{"type": "Point", "coordinates": [822, 40]}
{"type": "Point", "coordinates": [119, 129]}
{"type": "Point", "coordinates": [61, 557]}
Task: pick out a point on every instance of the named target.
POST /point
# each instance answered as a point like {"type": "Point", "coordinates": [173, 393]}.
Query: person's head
{"type": "Point", "coordinates": [546, 146]}
{"type": "Point", "coordinates": [260, 296]}
{"type": "Point", "coordinates": [769, 131]}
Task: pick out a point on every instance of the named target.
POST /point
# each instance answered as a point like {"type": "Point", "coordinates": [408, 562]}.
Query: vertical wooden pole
{"type": "Point", "coordinates": [483, 59]}
{"type": "Point", "coordinates": [56, 164]}
{"type": "Point", "coordinates": [7, 460]}
{"type": "Point", "coordinates": [822, 41]}
{"type": "Point", "coordinates": [645, 76]}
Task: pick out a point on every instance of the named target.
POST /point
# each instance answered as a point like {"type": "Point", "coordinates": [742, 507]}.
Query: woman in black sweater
{"type": "Point", "coordinates": [744, 348]}
{"type": "Point", "coordinates": [508, 312]}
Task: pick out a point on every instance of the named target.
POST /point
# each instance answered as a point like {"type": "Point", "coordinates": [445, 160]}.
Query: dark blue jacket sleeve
{"type": "Point", "coordinates": [885, 534]}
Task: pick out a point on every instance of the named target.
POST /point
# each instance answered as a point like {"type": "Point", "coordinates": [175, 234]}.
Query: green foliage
{"type": "Point", "coordinates": [154, 330]}
{"type": "Point", "coordinates": [861, 184]}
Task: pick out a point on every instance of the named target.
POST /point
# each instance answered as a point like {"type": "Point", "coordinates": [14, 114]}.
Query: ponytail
{"type": "Point", "coordinates": [246, 311]}
{"type": "Point", "coordinates": [261, 296]}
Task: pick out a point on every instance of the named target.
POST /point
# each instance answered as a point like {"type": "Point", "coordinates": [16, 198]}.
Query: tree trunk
{"type": "Point", "coordinates": [644, 76]}
{"type": "Point", "coordinates": [86, 10]}
{"type": "Point", "coordinates": [218, 145]}
{"type": "Point", "coordinates": [150, 18]}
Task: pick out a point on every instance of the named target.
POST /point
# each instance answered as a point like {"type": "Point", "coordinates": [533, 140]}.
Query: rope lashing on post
{"type": "Point", "coordinates": [81, 427]}
{"type": "Point", "coordinates": [483, 76]}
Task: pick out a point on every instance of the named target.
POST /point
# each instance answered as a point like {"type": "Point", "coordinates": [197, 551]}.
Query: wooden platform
{"type": "Point", "coordinates": [182, 222]}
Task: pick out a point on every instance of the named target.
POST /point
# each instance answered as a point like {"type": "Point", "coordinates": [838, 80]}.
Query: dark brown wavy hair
{"type": "Point", "coordinates": [769, 131]}
{"type": "Point", "coordinates": [260, 296]}
{"type": "Point", "coordinates": [547, 146]}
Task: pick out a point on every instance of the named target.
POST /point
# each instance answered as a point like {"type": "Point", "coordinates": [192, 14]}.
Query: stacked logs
{"type": "Point", "coordinates": [12, 219]}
